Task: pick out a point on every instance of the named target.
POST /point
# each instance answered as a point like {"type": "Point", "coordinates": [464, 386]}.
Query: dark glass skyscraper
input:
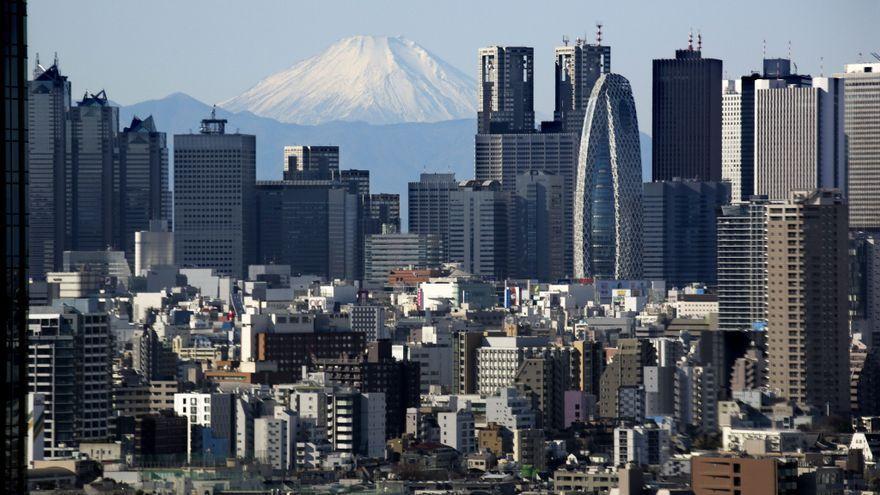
{"type": "Point", "coordinates": [13, 349]}
{"type": "Point", "coordinates": [686, 126]}
{"type": "Point", "coordinates": [680, 235]}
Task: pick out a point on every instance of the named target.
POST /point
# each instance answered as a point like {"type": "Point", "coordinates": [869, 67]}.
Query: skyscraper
{"type": "Point", "coordinates": [321, 160]}
{"type": "Point", "coordinates": [506, 90]}
{"type": "Point", "coordinates": [478, 228]}
{"type": "Point", "coordinates": [48, 107]}
{"type": "Point", "coordinates": [807, 307]}
{"type": "Point", "coordinates": [742, 265]}
{"type": "Point", "coordinates": [607, 199]}
{"type": "Point", "coordinates": [862, 128]}
{"type": "Point", "coordinates": [799, 139]}
{"type": "Point", "coordinates": [428, 201]}
{"type": "Point", "coordinates": [536, 242]}
{"type": "Point", "coordinates": [738, 136]}
{"type": "Point", "coordinates": [503, 157]}
{"type": "Point", "coordinates": [686, 127]}
{"type": "Point", "coordinates": [679, 230]}
{"type": "Point", "coordinates": [384, 214]}
{"type": "Point", "coordinates": [214, 182]}
{"type": "Point", "coordinates": [143, 180]}
{"type": "Point", "coordinates": [92, 174]}
{"type": "Point", "coordinates": [311, 225]}
{"type": "Point", "coordinates": [13, 344]}
{"type": "Point", "coordinates": [578, 67]}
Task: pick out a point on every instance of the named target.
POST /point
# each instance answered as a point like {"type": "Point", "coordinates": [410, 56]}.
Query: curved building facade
{"type": "Point", "coordinates": [608, 195]}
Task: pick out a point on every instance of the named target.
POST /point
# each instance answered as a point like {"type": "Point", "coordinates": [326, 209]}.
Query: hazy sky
{"type": "Point", "coordinates": [214, 50]}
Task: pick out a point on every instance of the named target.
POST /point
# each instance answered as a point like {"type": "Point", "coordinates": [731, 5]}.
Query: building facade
{"type": "Point", "coordinates": [428, 206]}
{"type": "Point", "coordinates": [214, 192]}
{"type": "Point", "coordinates": [813, 112]}
{"type": "Point", "coordinates": [742, 265]}
{"type": "Point", "coordinates": [686, 126]}
{"type": "Point", "coordinates": [505, 96]}
{"type": "Point", "coordinates": [862, 128]}
{"type": "Point", "coordinates": [143, 181]}
{"type": "Point", "coordinates": [14, 125]}
{"type": "Point", "coordinates": [679, 240]}
{"type": "Point", "coordinates": [607, 200]}
{"type": "Point", "coordinates": [807, 306]}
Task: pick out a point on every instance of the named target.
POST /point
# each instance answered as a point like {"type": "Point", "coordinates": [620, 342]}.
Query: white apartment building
{"type": "Point", "coordinates": [457, 430]}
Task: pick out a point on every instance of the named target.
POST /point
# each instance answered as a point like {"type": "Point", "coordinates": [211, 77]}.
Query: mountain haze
{"type": "Point", "coordinates": [373, 79]}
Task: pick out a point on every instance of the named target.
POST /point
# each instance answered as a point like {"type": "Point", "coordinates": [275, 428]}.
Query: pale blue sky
{"type": "Point", "coordinates": [213, 50]}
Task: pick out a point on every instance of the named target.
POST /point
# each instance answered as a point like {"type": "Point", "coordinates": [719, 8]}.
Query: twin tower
{"type": "Point", "coordinates": [592, 142]}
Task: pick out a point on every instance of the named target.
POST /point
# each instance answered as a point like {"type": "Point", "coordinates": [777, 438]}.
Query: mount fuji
{"type": "Point", "coordinates": [372, 79]}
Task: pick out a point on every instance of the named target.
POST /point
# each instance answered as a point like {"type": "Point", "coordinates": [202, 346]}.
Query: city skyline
{"type": "Point", "coordinates": [229, 65]}
{"type": "Point", "coordinates": [223, 298]}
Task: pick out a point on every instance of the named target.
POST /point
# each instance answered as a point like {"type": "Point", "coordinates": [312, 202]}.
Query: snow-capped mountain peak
{"type": "Point", "coordinates": [375, 79]}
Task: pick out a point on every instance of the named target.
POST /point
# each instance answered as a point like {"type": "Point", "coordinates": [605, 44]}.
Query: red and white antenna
{"type": "Point", "coordinates": [691, 40]}
{"type": "Point", "coordinates": [699, 41]}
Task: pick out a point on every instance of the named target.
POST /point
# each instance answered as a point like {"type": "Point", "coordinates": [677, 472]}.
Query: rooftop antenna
{"type": "Point", "coordinates": [691, 40]}
{"type": "Point", "coordinates": [764, 49]}
{"type": "Point", "coordinates": [789, 50]}
{"type": "Point", "coordinates": [699, 41]}
{"type": "Point", "coordinates": [565, 40]}
{"type": "Point", "coordinates": [55, 62]}
{"type": "Point", "coordinates": [214, 112]}
{"type": "Point", "coordinates": [599, 33]}
{"type": "Point", "coordinates": [821, 66]}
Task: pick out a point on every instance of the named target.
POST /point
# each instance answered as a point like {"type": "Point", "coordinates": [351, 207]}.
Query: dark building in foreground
{"type": "Point", "coordinates": [14, 305]}
{"type": "Point", "coordinates": [292, 351]}
{"type": "Point", "coordinates": [686, 128]}
{"type": "Point", "coordinates": [377, 371]}
{"type": "Point", "coordinates": [680, 237]}
{"type": "Point", "coordinates": [311, 225]}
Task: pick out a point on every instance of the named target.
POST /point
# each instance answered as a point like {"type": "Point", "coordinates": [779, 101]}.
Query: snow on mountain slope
{"type": "Point", "coordinates": [375, 79]}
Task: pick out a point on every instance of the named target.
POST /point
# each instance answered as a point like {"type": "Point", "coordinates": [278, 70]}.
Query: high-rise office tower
{"type": "Point", "coordinates": [864, 310]}
{"type": "Point", "coordinates": [862, 128]}
{"type": "Point", "coordinates": [607, 199]}
{"type": "Point", "coordinates": [742, 265]}
{"type": "Point", "coordinates": [69, 350]}
{"type": "Point", "coordinates": [738, 136]}
{"type": "Point", "coordinates": [214, 196]}
{"type": "Point", "coordinates": [679, 236]}
{"type": "Point", "coordinates": [478, 228]}
{"type": "Point", "coordinates": [506, 90]}
{"type": "Point", "coordinates": [386, 252]}
{"type": "Point", "coordinates": [578, 67]}
{"type": "Point", "coordinates": [311, 225]}
{"type": "Point", "coordinates": [799, 139]}
{"type": "Point", "coordinates": [92, 174]}
{"type": "Point", "coordinates": [536, 241]}
{"type": "Point", "coordinates": [807, 307]}
{"type": "Point", "coordinates": [428, 206]}
{"type": "Point", "coordinates": [686, 128]}
{"type": "Point", "coordinates": [13, 350]}
{"type": "Point", "coordinates": [143, 180]}
{"type": "Point", "coordinates": [48, 107]}
{"type": "Point", "coordinates": [503, 157]}
{"type": "Point", "coordinates": [384, 214]}
{"type": "Point", "coordinates": [321, 160]}
{"type": "Point", "coordinates": [738, 124]}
